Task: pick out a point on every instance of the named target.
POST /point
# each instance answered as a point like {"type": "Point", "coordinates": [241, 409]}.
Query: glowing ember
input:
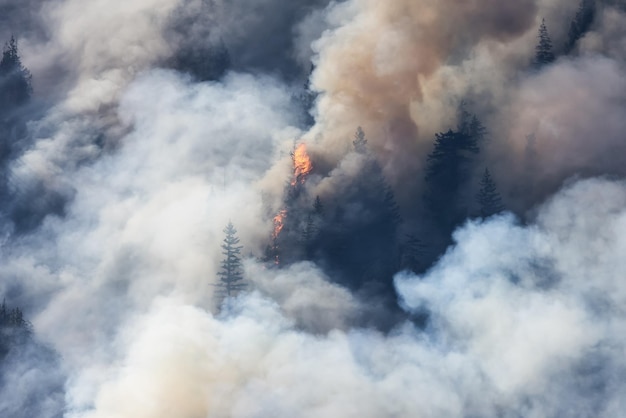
{"type": "Point", "coordinates": [302, 165]}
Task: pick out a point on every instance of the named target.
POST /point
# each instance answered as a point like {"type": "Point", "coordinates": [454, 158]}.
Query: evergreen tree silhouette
{"type": "Point", "coordinates": [231, 275]}
{"type": "Point", "coordinates": [318, 207]}
{"type": "Point", "coordinates": [581, 23]}
{"type": "Point", "coordinates": [447, 171]}
{"type": "Point", "coordinates": [14, 329]}
{"type": "Point", "coordinates": [15, 79]}
{"type": "Point", "coordinates": [488, 197]}
{"type": "Point", "coordinates": [360, 143]}
{"type": "Point", "coordinates": [543, 51]}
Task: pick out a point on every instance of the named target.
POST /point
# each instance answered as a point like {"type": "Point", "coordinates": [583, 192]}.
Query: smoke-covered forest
{"type": "Point", "coordinates": [313, 208]}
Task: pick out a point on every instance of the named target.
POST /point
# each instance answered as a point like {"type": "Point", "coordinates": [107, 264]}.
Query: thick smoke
{"type": "Point", "coordinates": [142, 224]}
{"type": "Point", "coordinates": [258, 37]}
{"type": "Point", "coordinates": [155, 123]}
{"type": "Point", "coordinates": [374, 70]}
{"type": "Point", "coordinates": [536, 331]}
{"type": "Point", "coordinates": [375, 66]}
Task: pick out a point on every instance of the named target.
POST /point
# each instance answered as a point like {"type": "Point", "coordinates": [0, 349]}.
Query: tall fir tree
{"type": "Point", "coordinates": [469, 124]}
{"type": "Point", "coordinates": [488, 198]}
{"type": "Point", "coordinates": [359, 142]}
{"type": "Point", "coordinates": [230, 276]}
{"type": "Point", "coordinates": [447, 170]}
{"type": "Point", "coordinates": [15, 330]}
{"type": "Point", "coordinates": [15, 92]}
{"type": "Point", "coordinates": [15, 79]}
{"type": "Point", "coordinates": [544, 54]}
{"type": "Point", "coordinates": [318, 206]}
{"type": "Point", "coordinates": [581, 23]}
{"type": "Point", "coordinates": [307, 98]}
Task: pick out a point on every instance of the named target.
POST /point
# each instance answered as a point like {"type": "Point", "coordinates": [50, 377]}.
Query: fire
{"type": "Point", "coordinates": [279, 223]}
{"type": "Point", "coordinates": [302, 165]}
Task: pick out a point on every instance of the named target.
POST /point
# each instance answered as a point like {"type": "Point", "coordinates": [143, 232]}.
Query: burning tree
{"type": "Point", "coordinates": [286, 226]}
{"type": "Point", "coordinates": [302, 165]}
{"type": "Point", "coordinates": [231, 276]}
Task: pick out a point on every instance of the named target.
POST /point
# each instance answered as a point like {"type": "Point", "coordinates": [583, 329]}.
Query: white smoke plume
{"type": "Point", "coordinates": [525, 321]}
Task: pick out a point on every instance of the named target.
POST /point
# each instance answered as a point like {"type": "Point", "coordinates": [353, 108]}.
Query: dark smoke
{"type": "Point", "coordinates": [258, 37]}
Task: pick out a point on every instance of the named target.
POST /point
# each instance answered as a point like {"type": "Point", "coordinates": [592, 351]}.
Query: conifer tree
{"type": "Point", "coordinates": [391, 205]}
{"type": "Point", "coordinates": [543, 51]}
{"type": "Point", "coordinates": [307, 98]}
{"type": "Point", "coordinates": [581, 23]}
{"type": "Point", "coordinates": [308, 234]}
{"type": "Point", "coordinates": [446, 173]}
{"type": "Point", "coordinates": [488, 197]}
{"type": "Point", "coordinates": [470, 125]}
{"type": "Point", "coordinates": [15, 79]}
{"type": "Point", "coordinates": [318, 207]}
{"type": "Point", "coordinates": [231, 275]}
{"type": "Point", "coordinates": [309, 230]}
{"type": "Point", "coordinates": [14, 329]}
{"type": "Point", "coordinates": [360, 143]}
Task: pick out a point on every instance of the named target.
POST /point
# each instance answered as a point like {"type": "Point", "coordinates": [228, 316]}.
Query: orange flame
{"type": "Point", "coordinates": [279, 223]}
{"type": "Point", "coordinates": [302, 165]}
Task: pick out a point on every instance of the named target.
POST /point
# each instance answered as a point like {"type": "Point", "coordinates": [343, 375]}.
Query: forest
{"type": "Point", "coordinates": [312, 208]}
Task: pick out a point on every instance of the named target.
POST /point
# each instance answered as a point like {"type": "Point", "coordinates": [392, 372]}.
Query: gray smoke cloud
{"type": "Point", "coordinates": [147, 220]}
{"type": "Point", "coordinates": [258, 37]}
{"type": "Point", "coordinates": [524, 319]}
{"type": "Point", "coordinates": [562, 121]}
{"type": "Point", "coordinates": [374, 70]}
{"type": "Point", "coordinates": [82, 66]}
{"type": "Point", "coordinates": [536, 308]}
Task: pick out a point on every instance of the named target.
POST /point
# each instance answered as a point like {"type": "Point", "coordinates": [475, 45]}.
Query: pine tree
{"type": "Point", "coordinates": [307, 98]}
{"type": "Point", "coordinates": [309, 230]}
{"type": "Point", "coordinates": [470, 125]}
{"type": "Point", "coordinates": [543, 51]}
{"type": "Point", "coordinates": [412, 254]}
{"type": "Point", "coordinates": [581, 23]}
{"type": "Point", "coordinates": [15, 79]}
{"type": "Point", "coordinates": [446, 173]}
{"type": "Point", "coordinates": [360, 143]}
{"type": "Point", "coordinates": [318, 207]}
{"type": "Point", "coordinates": [391, 205]}
{"type": "Point", "coordinates": [231, 276]}
{"type": "Point", "coordinates": [488, 197]}
{"type": "Point", "coordinates": [308, 234]}
{"type": "Point", "coordinates": [14, 329]}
